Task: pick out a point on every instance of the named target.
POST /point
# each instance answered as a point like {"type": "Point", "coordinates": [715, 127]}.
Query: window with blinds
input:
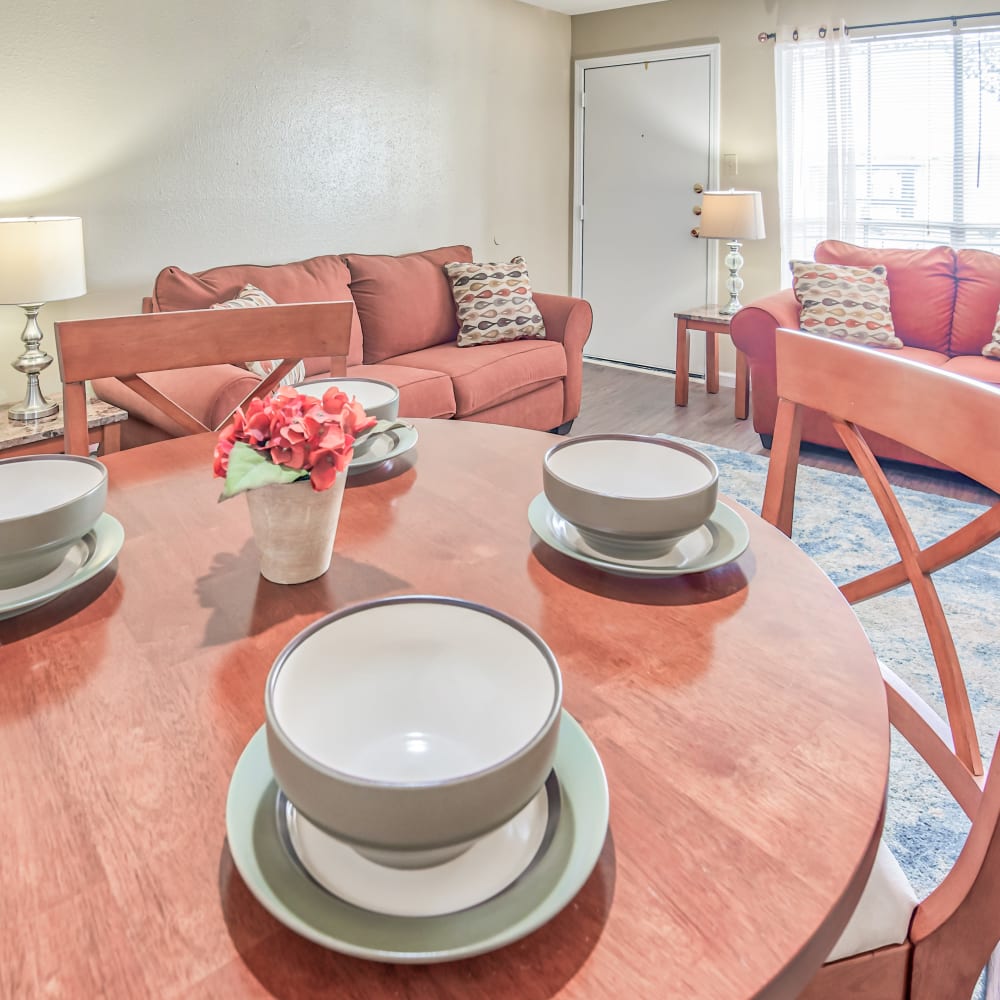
{"type": "Point", "coordinates": [890, 141]}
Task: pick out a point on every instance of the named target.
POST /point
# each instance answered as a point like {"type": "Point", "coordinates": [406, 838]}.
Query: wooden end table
{"type": "Point", "coordinates": [45, 437]}
{"type": "Point", "coordinates": [709, 320]}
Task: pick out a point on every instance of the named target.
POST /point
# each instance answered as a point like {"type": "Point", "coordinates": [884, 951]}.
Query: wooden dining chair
{"type": "Point", "coordinates": [896, 947]}
{"type": "Point", "coordinates": [124, 347]}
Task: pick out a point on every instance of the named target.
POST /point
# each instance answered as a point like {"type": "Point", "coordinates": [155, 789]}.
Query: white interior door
{"type": "Point", "coordinates": [646, 135]}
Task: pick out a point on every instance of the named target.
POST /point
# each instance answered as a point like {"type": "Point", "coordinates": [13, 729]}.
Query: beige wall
{"type": "Point", "coordinates": [747, 116]}
{"type": "Point", "coordinates": [198, 134]}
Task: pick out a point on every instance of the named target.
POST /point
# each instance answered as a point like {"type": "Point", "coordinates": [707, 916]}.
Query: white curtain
{"type": "Point", "coordinates": [889, 140]}
{"type": "Point", "coordinates": [816, 160]}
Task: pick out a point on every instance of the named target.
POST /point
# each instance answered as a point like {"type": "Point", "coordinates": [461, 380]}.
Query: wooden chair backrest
{"type": "Point", "coordinates": [957, 422]}
{"type": "Point", "coordinates": [122, 347]}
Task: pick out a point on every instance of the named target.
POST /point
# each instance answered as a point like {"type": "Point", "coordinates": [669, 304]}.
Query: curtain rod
{"type": "Point", "coordinates": [770, 36]}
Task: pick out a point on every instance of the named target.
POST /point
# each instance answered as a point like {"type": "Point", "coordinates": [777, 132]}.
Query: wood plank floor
{"type": "Point", "coordinates": [618, 399]}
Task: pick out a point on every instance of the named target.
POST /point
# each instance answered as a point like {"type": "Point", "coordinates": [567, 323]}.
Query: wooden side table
{"type": "Point", "coordinates": [45, 437]}
{"type": "Point", "coordinates": [709, 320]}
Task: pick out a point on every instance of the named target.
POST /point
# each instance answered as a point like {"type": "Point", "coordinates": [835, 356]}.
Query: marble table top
{"type": "Point", "coordinates": [16, 432]}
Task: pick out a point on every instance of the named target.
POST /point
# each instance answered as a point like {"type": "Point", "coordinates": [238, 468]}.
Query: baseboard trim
{"type": "Point", "coordinates": [727, 379]}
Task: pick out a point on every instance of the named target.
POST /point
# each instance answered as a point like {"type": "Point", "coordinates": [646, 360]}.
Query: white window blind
{"type": "Point", "coordinates": [890, 141]}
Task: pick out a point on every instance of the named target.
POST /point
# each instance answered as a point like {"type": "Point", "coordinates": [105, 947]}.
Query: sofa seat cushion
{"type": "Point", "coordinates": [921, 288]}
{"type": "Point", "coordinates": [491, 373]}
{"type": "Point", "coordinates": [977, 367]}
{"type": "Point", "coordinates": [422, 392]}
{"type": "Point", "coordinates": [319, 279]}
{"type": "Point", "coordinates": [977, 297]}
{"type": "Point", "coordinates": [882, 916]}
{"type": "Point", "coordinates": [405, 302]}
{"type": "Point", "coordinates": [936, 359]}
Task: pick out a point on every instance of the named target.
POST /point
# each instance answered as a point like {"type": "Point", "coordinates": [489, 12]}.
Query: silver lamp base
{"type": "Point", "coordinates": [734, 283]}
{"type": "Point", "coordinates": [33, 360]}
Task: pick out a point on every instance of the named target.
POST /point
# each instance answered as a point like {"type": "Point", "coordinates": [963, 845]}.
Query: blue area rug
{"type": "Point", "coordinates": [838, 524]}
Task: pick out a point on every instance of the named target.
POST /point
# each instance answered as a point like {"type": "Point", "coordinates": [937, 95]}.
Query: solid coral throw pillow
{"type": "Point", "coordinates": [249, 298]}
{"type": "Point", "coordinates": [845, 303]}
{"type": "Point", "coordinates": [494, 303]}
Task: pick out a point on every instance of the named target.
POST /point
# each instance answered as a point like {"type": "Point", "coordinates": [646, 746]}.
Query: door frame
{"type": "Point", "coordinates": [652, 55]}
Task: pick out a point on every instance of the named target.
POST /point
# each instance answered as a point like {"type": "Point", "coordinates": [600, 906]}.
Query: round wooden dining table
{"type": "Point", "coordinates": [738, 712]}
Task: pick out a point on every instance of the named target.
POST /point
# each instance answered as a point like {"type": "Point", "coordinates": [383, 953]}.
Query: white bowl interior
{"type": "Point", "coordinates": [34, 487]}
{"type": "Point", "coordinates": [629, 469]}
{"type": "Point", "coordinates": [368, 394]}
{"type": "Point", "coordinates": [413, 692]}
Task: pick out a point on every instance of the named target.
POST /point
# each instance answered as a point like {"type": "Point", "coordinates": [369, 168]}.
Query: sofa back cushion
{"type": "Point", "coordinates": [405, 302]}
{"type": "Point", "coordinates": [921, 288]}
{"type": "Point", "coordinates": [977, 298]}
{"type": "Point", "coordinates": [319, 279]}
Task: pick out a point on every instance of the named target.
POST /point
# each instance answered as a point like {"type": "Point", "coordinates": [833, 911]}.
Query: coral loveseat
{"type": "Point", "coordinates": [404, 332]}
{"type": "Point", "coordinates": [944, 308]}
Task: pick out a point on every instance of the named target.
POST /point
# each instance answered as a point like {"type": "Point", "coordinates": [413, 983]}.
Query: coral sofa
{"type": "Point", "coordinates": [404, 332]}
{"type": "Point", "coordinates": [944, 308]}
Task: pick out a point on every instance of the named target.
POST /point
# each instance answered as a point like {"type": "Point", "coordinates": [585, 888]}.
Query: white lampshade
{"type": "Point", "coordinates": [731, 215]}
{"type": "Point", "coordinates": [41, 260]}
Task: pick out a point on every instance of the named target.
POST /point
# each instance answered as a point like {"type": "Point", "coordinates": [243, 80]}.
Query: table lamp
{"type": "Point", "coordinates": [732, 216]}
{"type": "Point", "coordinates": [41, 260]}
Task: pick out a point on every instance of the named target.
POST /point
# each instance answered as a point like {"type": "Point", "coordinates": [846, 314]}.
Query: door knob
{"type": "Point", "coordinates": [696, 233]}
{"type": "Point", "coordinates": [696, 209]}
{"type": "Point", "coordinates": [698, 189]}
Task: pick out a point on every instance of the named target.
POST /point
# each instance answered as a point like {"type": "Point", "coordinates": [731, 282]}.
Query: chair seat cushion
{"type": "Point", "coordinates": [883, 914]}
{"type": "Point", "coordinates": [491, 373]}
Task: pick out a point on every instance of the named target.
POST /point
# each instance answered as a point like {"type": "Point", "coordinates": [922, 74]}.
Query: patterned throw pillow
{"type": "Point", "coordinates": [494, 303]}
{"type": "Point", "coordinates": [992, 349]}
{"type": "Point", "coordinates": [249, 297]}
{"type": "Point", "coordinates": [845, 303]}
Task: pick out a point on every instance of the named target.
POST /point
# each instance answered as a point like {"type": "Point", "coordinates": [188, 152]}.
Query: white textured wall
{"type": "Point", "coordinates": [198, 134]}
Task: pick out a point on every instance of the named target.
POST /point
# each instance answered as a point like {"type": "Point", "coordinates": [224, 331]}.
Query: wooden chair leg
{"type": "Point", "coordinates": [779, 491]}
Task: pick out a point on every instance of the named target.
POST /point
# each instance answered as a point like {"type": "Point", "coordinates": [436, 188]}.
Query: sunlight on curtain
{"type": "Point", "coordinates": [889, 141]}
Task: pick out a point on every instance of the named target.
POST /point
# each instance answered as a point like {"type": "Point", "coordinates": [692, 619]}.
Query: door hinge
{"type": "Point", "coordinates": [581, 213]}
{"type": "Point", "coordinates": [583, 98]}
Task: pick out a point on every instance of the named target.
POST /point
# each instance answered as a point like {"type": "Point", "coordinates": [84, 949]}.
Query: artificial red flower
{"type": "Point", "coordinates": [303, 433]}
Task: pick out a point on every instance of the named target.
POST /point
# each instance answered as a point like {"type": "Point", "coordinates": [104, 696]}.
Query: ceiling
{"type": "Point", "coordinates": [583, 6]}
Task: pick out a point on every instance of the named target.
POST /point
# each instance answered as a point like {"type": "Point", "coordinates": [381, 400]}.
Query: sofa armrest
{"type": "Point", "coordinates": [752, 328]}
{"type": "Point", "coordinates": [568, 321]}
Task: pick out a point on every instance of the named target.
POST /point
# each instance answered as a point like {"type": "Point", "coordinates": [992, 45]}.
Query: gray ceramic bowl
{"type": "Point", "coordinates": [409, 727]}
{"type": "Point", "coordinates": [47, 502]}
{"type": "Point", "coordinates": [630, 496]}
{"type": "Point", "coordinates": [380, 399]}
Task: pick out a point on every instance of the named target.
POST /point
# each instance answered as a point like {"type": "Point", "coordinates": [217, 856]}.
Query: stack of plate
{"type": "Point", "coordinates": [638, 506]}
{"type": "Point", "coordinates": [53, 530]}
{"type": "Point", "coordinates": [416, 764]}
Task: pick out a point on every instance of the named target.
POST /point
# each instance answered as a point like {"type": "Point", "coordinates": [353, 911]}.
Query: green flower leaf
{"type": "Point", "coordinates": [248, 469]}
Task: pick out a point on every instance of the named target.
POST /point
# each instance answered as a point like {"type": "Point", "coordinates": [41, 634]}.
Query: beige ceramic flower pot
{"type": "Point", "coordinates": [294, 527]}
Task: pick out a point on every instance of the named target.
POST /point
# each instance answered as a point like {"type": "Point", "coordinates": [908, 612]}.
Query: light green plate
{"type": "Point", "coordinates": [723, 538]}
{"type": "Point", "coordinates": [535, 898]}
{"type": "Point", "coordinates": [85, 560]}
{"type": "Point", "coordinates": [389, 444]}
